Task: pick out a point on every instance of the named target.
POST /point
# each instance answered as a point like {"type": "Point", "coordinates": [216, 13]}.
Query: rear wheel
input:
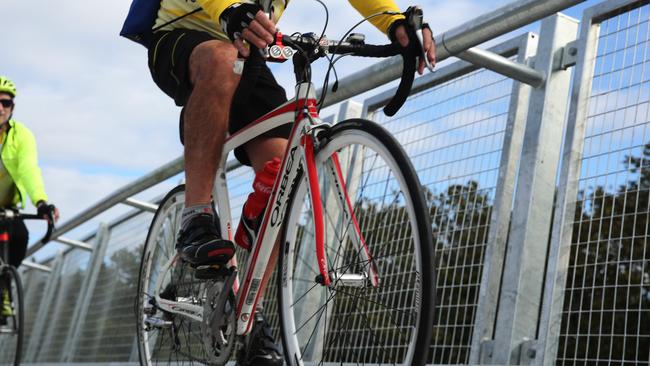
{"type": "Point", "coordinates": [170, 338]}
{"type": "Point", "coordinates": [357, 320]}
{"type": "Point", "coordinates": [11, 333]}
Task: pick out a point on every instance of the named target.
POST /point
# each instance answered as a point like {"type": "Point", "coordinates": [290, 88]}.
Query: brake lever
{"type": "Point", "coordinates": [50, 228]}
{"type": "Point", "coordinates": [267, 8]}
{"type": "Point", "coordinates": [416, 20]}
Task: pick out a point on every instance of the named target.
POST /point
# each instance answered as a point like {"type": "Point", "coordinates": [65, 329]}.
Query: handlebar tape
{"type": "Point", "coordinates": [403, 90]}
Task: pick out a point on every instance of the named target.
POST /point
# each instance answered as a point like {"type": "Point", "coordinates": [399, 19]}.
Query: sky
{"type": "Point", "coordinates": [100, 121]}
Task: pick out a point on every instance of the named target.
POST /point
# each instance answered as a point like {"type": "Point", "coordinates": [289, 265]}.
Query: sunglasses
{"type": "Point", "coordinates": [7, 103]}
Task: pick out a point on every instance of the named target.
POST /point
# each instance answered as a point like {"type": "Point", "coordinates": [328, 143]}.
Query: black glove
{"type": "Point", "coordinates": [412, 18]}
{"type": "Point", "coordinates": [237, 17]}
{"type": "Point", "coordinates": [45, 210]}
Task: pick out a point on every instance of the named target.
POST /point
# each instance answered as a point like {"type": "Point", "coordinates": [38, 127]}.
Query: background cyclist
{"type": "Point", "coordinates": [192, 59]}
{"type": "Point", "coordinates": [20, 177]}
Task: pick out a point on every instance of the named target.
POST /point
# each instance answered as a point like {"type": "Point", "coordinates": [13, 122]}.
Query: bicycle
{"type": "Point", "coordinates": [364, 295]}
{"type": "Point", "coordinates": [14, 329]}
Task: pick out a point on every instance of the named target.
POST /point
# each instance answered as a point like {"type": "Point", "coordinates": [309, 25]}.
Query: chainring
{"type": "Point", "coordinates": [219, 323]}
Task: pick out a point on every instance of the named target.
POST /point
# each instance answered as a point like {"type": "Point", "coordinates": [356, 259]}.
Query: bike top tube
{"type": "Point", "coordinates": [304, 49]}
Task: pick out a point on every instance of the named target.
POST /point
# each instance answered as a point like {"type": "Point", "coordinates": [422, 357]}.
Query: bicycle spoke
{"type": "Point", "coordinates": [352, 321]}
{"type": "Point", "coordinates": [306, 293]}
{"type": "Point", "coordinates": [322, 310]}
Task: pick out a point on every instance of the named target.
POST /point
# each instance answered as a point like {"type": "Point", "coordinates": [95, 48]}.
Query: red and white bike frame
{"type": "Point", "coordinates": [300, 153]}
{"type": "Point", "coordinates": [303, 112]}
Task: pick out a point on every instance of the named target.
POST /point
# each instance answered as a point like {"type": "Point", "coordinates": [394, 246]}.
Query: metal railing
{"type": "Point", "coordinates": [529, 271]}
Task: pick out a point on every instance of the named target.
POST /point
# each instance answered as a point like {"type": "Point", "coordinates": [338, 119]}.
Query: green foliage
{"type": "Point", "coordinates": [607, 300]}
{"type": "Point", "coordinates": [461, 216]}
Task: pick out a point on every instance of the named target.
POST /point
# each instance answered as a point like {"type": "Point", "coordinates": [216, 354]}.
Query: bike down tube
{"type": "Point", "coordinates": [282, 115]}
{"type": "Point", "coordinates": [346, 205]}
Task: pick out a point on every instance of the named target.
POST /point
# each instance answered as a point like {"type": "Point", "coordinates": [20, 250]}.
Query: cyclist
{"type": "Point", "coordinates": [20, 177]}
{"type": "Point", "coordinates": [193, 59]}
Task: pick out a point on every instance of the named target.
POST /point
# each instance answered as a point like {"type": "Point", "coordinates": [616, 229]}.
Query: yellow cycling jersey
{"type": "Point", "coordinates": [207, 20]}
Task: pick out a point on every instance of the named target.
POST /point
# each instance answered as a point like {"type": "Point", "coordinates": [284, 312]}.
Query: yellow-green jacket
{"type": "Point", "coordinates": [21, 161]}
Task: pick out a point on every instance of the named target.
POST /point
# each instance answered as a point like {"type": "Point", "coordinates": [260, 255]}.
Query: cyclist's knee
{"type": "Point", "coordinates": [212, 63]}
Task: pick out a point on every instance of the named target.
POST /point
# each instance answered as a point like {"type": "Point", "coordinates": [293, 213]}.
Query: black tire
{"type": "Point", "coordinates": [146, 354]}
{"type": "Point", "coordinates": [353, 321]}
{"type": "Point", "coordinates": [12, 335]}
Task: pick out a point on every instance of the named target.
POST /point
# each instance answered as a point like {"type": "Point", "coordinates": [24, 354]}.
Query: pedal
{"type": "Point", "coordinates": [153, 322]}
{"type": "Point", "coordinates": [211, 272]}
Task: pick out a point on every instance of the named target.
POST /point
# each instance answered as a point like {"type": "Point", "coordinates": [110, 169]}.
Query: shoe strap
{"type": "Point", "coordinates": [202, 225]}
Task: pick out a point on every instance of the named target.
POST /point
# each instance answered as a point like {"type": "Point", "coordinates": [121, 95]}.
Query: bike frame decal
{"type": "Point", "coordinates": [193, 311]}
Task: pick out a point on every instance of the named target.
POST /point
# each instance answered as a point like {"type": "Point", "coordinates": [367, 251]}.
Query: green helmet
{"type": "Point", "coordinates": [7, 86]}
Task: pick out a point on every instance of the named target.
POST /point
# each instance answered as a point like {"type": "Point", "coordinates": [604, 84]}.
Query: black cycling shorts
{"type": "Point", "coordinates": [258, 92]}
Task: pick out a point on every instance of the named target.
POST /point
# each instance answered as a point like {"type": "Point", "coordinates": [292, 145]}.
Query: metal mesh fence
{"type": "Point", "coordinates": [108, 329]}
{"type": "Point", "coordinates": [60, 312]}
{"type": "Point", "coordinates": [34, 283]}
{"type": "Point", "coordinates": [606, 315]}
{"type": "Point", "coordinates": [454, 134]}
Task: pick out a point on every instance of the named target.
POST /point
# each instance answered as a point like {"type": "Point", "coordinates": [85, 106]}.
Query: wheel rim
{"type": "Point", "coordinates": [181, 340]}
{"type": "Point", "coordinates": [158, 247]}
{"type": "Point", "coordinates": [348, 324]}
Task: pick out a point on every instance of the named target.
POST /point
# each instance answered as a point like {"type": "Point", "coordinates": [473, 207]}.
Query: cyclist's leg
{"type": "Point", "coordinates": [262, 149]}
{"type": "Point", "coordinates": [18, 246]}
{"type": "Point", "coordinates": [197, 71]}
{"type": "Point", "coordinates": [260, 348]}
{"type": "Point", "coordinates": [206, 115]}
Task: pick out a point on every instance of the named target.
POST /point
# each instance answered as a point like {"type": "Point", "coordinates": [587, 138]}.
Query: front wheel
{"type": "Point", "coordinates": [12, 323]}
{"type": "Point", "coordinates": [379, 307]}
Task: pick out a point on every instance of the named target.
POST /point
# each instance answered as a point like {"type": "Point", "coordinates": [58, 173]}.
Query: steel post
{"type": "Point", "coordinates": [37, 266]}
{"type": "Point", "coordinates": [144, 206]}
{"type": "Point", "coordinates": [499, 64]}
{"type": "Point", "coordinates": [38, 329]}
{"type": "Point", "coordinates": [532, 211]}
{"type": "Point", "coordinates": [74, 243]}
{"type": "Point", "coordinates": [87, 291]}
{"type": "Point", "coordinates": [560, 248]}
{"type": "Point", "coordinates": [500, 220]}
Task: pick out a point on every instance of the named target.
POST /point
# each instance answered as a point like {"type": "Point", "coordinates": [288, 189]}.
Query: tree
{"type": "Point", "coordinates": [607, 302]}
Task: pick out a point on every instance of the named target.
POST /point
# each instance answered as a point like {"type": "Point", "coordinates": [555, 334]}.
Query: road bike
{"type": "Point", "coordinates": [12, 333]}
{"type": "Point", "coordinates": [355, 273]}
